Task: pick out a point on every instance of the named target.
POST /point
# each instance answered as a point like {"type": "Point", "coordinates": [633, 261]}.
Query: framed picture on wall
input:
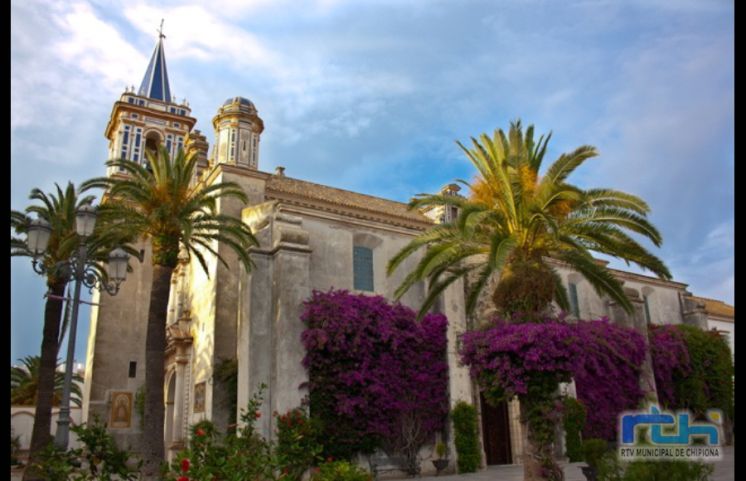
{"type": "Point", "coordinates": [121, 410]}
{"type": "Point", "coordinates": [199, 397]}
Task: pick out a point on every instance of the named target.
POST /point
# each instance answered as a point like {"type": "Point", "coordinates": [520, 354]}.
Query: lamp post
{"type": "Point", "coordinates": [83, 271]}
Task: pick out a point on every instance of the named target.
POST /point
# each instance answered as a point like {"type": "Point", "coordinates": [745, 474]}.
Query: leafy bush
{"type": "Point", "coordinates": [99, 459]}
{"type": "Point", "coordinates": [574, 419]}
{"type": "Point", "coordinates": [377, 376]}
{"type": "Point", "coordinates": [240, 455]}
{"type": "Point", "coordinates": [340, 471]}
{"type": "Point", "coordinates": [466, 437]}
{"type": "Point", "coordinates": [710, 383]}
{"type": "Point", "coordinates": [298, 446]}
{"type": "Point", "coordinates": [611, 469]}
{"type": "Point", "coordinates": [594, 450]}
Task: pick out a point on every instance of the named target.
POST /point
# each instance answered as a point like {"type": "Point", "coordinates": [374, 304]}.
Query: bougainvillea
{"type": "Point", "coordinates": [376, 374]}
{"type": "Point", "coordinates": [608, 377]}
{"type": "Point", "coordinates": [529, 361]}
{"type": "Point", "coordinates": [671, 363]}
{"type": "Point", "coordinates": [603, 359]}
{"type": "Point", "coordinates": [504, 358]}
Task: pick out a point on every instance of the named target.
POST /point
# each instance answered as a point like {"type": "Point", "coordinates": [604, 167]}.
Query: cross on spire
{"type": "Point", "coordinates": [160, 30]}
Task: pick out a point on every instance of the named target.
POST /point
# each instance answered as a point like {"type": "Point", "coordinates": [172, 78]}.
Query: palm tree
{"type": "Point", "coordinates": [59, 212]}
{"type": "Point", "coordinates": [515, 220]}
{"type": "Point", "coordinates": [24, 382]}
{"type": "Point", "coordinates": [512, 223]}
{"type": "Point", "coordinates": [162, 203]}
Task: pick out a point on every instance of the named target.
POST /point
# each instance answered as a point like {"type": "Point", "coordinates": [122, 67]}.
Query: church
{"type": "Point", "coordinates": [311, 236]}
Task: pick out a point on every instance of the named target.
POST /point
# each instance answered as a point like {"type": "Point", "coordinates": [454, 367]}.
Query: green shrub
{"type": "Point", "coordinates": [237, 455]}
{"type": "Point", "coordinates": [340, 471]}
{"type": "Point", "coordinates": [611, 469]}
{"type": "Point", "coordinates": [298, 446]}
{"type": "Point", "coordinates": [668, 471]}
{"type": "Point", "coordinates": [710, 384]}
{"type": "Point", "coordinates": [466, 437]}
{"type": "Point", "coordinates": [99, 459]}
{"type": "Point", "coordinates": [573, 420]}
{"type": "Point", "coordinates": [594, 450]}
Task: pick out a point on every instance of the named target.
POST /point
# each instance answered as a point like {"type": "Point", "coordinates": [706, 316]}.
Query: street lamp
{"type": "Point", "coordinates": [83, 271]}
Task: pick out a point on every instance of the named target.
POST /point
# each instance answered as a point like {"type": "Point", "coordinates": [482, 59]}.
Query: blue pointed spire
{"type": "Point", "coordinates": [155, 83]}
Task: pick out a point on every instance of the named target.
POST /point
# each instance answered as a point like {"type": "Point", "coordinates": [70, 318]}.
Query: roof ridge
{"type": "Point", "coordinates": [342, 190]}
{"type": "Point", "coordinates": [713, 300]}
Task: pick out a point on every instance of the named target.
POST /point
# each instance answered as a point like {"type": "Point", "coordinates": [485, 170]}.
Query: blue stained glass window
{"type": "Point", "coordinates": [142, 102]}
{"type": "Point", "coordinates": [130, 100]}
{"type": "Point", "coordinates": [574, 306]}
{"type": "Point", "coordinates": [362, 265]}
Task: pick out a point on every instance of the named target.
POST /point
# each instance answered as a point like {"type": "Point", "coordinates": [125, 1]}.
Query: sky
{"type": "Point", "coordinates": [371, 96]}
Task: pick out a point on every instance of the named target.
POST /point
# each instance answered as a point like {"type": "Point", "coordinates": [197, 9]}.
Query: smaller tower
{"type": "Point", "coordinates": [237, 129]}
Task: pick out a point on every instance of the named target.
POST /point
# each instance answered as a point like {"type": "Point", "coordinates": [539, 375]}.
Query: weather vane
{"type": "Point", "coordinates": [160, 30]}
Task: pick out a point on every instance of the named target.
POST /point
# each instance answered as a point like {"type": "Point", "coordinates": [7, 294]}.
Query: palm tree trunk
{"type": "Point", "coordinates": [155, 346]}
{"type": "Point", "coordinates": [41, 434]}
{"type": "Point", "coordinates": [538, 461]}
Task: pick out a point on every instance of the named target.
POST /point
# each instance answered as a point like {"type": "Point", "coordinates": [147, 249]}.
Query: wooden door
{"type": "Point", "coordinates": [496, 432]}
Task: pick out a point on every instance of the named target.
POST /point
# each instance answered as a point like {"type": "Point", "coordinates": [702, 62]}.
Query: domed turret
{"type": "Point", "coordinates": [237, 129]}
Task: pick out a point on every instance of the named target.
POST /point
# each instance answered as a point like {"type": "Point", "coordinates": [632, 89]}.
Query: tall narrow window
{"type": "Point", "coordinates": [574, 306]}
{"type": "Point", "coordinates": [362, 265]}
{"type": "Point", "coordinates": [646, 300]}
{"type": "Point", "coordinates": [136, 149]}
{"type": "Point", "coordinates": [125, 142]}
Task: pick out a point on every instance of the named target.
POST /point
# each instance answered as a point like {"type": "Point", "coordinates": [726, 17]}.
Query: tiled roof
{"type": "Point", "coordinates": [277, 185]}
{"type": "Point", "coordinates": [717, 308]}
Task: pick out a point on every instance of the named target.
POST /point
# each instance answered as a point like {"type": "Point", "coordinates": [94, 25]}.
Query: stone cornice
{"type": "Point", "coordinates": [318, 207]}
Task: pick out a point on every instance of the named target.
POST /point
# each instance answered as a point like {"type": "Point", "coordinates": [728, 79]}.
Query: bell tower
{"type": "Point", "coordinates": [149, 117]}
{"type": "Point", "coordinates": [237, 129]}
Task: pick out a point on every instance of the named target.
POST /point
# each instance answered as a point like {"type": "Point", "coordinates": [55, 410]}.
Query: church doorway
{"type": "Point", "coordinates": [496, 432]}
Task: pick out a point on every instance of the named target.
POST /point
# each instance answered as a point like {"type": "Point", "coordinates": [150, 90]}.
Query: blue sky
{"type": "Point", "coordinates": [372, 95]}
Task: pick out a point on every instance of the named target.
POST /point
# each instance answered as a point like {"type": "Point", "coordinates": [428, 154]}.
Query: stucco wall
{"type": "Point", "coordinates": [22, 424]}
